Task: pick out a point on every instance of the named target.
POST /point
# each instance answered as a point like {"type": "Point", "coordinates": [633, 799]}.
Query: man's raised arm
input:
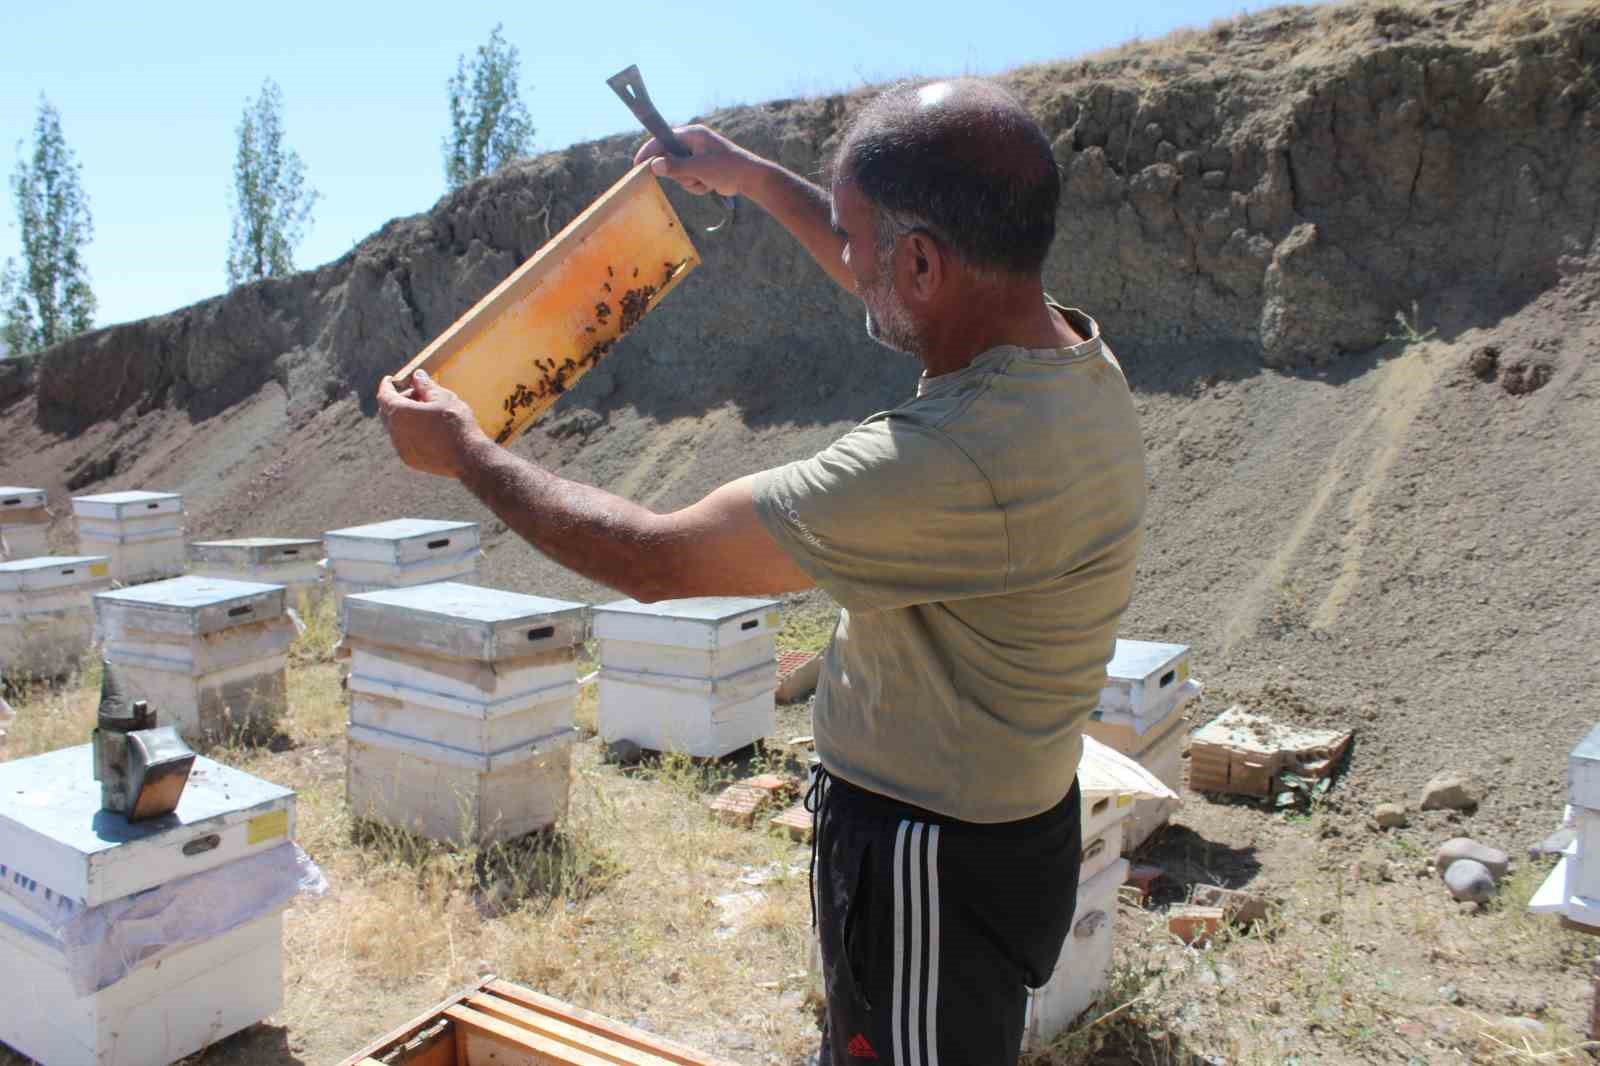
{"type": "Point", "coordinates": [720, 165]}
{"type": "Point", "coordinates": [717, 547]}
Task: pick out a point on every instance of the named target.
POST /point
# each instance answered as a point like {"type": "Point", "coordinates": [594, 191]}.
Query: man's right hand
{"type": "Point", "coordinates": [717, 164]}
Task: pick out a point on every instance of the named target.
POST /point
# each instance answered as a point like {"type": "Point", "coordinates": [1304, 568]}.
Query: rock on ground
{"type": "Point", "coordinates": [1469, 880]}
{"type": "Point", "coordinates": [1451, 791]}
{"type": "Point", "coordinates": [1389, 815]}
{"type": "Point", "coordinates": [1451, 851]}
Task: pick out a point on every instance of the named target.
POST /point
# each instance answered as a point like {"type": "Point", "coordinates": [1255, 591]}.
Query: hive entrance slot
{"type": "Point", "coordinates": [750, 624]}
{"type": "Point", "coordinates": [11, 502]}
{"type": "Point", "coordinates": [68, 573]}
{"type": "Point", "coordinates": [541, 633]}
{"type": "Point", "coordinates": [201, 845]}
{"type": "Point", "coordinates": [237, 611]}
{"type": "Point", "coordinates": [1099, 806]}
{"type": "Point", "coordinates": [151, 506]}
{"type": "Point", "coordinates": [442, 543]}
{"type": "Point", "coordinates": [1166, 678]}
{"type": "Point", "coordinates": [291, 551]}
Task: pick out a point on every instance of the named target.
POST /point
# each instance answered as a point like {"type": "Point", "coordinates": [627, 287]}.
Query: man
{"type": "Point", "coordinates": [980, 539]}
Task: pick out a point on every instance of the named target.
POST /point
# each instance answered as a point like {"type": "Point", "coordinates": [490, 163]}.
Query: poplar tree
{"type": "Point", "coordinates": [47, 299]}
{"type": "Point", "coordinates": [489, 125]}
{"type": "Point", "coordinates": [271, 201]}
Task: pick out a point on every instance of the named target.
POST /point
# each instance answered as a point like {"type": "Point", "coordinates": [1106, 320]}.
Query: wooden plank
{"type": "Point", "coordinates": [563, 1031]}
{"type": "Point", "coordinates": [669, 1050]}
{"type": "Point", "coordinates": [406, 1030]}
{"type": "Point", "coordinates": [557, 314]}
{"type": "Point", "coordinates": [531, 1048]}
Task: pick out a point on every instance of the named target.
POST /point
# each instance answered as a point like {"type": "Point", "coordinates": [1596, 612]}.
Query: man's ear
{"type": "Point", "coordinates": [923, 267]}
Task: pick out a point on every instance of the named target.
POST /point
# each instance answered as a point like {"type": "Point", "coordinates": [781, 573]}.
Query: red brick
{"type": "Point", "coordinates": [1144, 878]}
{"type": "Point", "coordinates": [796, 821]}
{"type": "Point", "coordinates": [1192, 924]}
{"type": "Point", "coordinates": [738, 804]}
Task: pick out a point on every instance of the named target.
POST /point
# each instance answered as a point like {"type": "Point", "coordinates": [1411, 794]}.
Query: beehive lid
{"type": "Point", "coordinates": [190, 605]}
{"type": "Point", "coordinates": [401, 540]}
{"type": "Point", "coordinates": [697, 622]}
{"type": "Point", "coordinates": [465, 621]}
{"type": "Point", "coordinates": [711, 610]}
{"type": "Point", "coordinates": [122, 505]}
{"type": "Point", "coordinates": [14, 498]}
{"type": "Point", "coordinates": [1583, 772]}
{"type": "Point", "coordinates": [1138, 660]}
{"type": "Point", "coordinates": [54, 837]}
{"type": "Point", "coordinates": [254, 550]}
{"type": "Point", "coordinates": [53, 571]}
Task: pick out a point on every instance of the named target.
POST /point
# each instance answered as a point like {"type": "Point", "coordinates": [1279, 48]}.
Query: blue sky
{"type": "Point", "coordinates": [150, 95]}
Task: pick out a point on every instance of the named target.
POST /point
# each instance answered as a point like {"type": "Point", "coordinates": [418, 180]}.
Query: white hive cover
{"type": "Point", "coordinates": [1105, 769]}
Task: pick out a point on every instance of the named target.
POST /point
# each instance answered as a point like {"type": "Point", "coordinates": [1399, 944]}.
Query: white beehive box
{"type": "Point", "coordinates": [207, 653]}
{"type": "Point", "coordinates": [61, 857]}
{"type": "Point", "coordinates": [1164, 759]}
{"type": "Point", "coordinates": [1141, 674]}
{"type": "Point", "coordinates": [24, 522]}
{"type": "Point", "coordinates": [293, 563]}
{"type": "Point", "coordinates": [141, 532]}
{"type": "Point", "coordinates": [1573, 888]}
{"type": "Point", "coordinates": [696, 676]}
{"type": "Point", "coordinates": [1132, 734]}
{"type": "Point", "coordinates": [46, 621]}
{"type": "Point", "coordinates": [399, 554]}
{"type": "Point", "coordinates": [1084, 966]}
{"type": "Point", "coordinates": [461, 709]}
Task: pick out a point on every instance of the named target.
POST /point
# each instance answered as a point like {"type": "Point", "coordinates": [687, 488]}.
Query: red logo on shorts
{"type": "Point", "coordinates": [859, 1048]}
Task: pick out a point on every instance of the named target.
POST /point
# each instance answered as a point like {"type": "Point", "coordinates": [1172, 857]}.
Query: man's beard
{"type": "Point", "coordinates": [889, 321]}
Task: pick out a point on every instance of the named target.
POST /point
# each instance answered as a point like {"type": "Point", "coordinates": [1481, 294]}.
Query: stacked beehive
{"type": "Point", "coordinates": [293, 563]}
{"type": "Point", "coordinates": [696, 676]}
{"type": "Point", "coordinates": [138, 943]}
{"type": "Point", "coordinates": [1085, 963]}
{"type": "Point", "coordinates": [1141, 715]}
{"type": "Point", "coordinates": [1572, 889]}
{"type": "Point", "coordinates": [141, 533]}
{"type": "Point", "coordinates": [400, 553]}
{"type": "Point", "coordinates": [46, 620]}
{"type": "Point", "coordinates": [461, 709]}
{"type": "Point", "coordinates": [23, 522]}
{"type": "Point", "coordinates": [208, 653]}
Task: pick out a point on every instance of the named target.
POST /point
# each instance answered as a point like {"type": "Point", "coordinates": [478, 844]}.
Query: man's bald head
{"type": "Point", "coordinates": [964, 160]}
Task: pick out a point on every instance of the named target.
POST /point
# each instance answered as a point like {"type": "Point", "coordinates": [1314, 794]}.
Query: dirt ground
{"type": "Point", "coordinates": [1403, 545]}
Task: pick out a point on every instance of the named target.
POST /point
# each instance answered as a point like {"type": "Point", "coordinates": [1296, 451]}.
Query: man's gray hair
{"type": "Point", "coordinates": [963, 161]}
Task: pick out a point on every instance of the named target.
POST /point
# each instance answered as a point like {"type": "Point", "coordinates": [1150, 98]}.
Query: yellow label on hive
{"type": "Point", "coordinates": [266, 827]}
{"type": "Point", "coordinates": [99, 569]}
{"type": "Point", "coordinates": [1183, 671]}
{"type": "Point", "coordinates": [772, 619]}
{"type": "Point", "coordinates": [1123, 799]}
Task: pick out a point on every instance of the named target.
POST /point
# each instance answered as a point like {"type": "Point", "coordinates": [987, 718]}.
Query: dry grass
{"type": "Point", "coordinates": [617, 911]}
{"type": "Point", "coordinates": [644, 907]}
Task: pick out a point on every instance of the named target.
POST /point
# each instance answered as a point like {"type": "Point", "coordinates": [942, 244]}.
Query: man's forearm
{"type": "Point", "coordinates": [602, 536]}
{"type": "Point", "coordinates": [804, 210]}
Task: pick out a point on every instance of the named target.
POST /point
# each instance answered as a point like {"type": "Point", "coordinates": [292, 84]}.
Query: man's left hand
{"type": "Point", "coordinates": [432, 428]}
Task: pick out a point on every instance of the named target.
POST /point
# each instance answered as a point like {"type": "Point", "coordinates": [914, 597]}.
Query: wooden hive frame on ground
{"type": "Point", "coordinates": [496, 1023]}
{"type": "Point", "coordinates": [557, 314]}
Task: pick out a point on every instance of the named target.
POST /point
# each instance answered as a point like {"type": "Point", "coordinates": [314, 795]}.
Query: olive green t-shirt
{"type": "Point", "coordinates": [981, 538]}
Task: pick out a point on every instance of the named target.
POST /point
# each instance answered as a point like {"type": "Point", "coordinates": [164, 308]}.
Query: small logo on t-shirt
{"type": "Point", "coordinates": [860, 1049]}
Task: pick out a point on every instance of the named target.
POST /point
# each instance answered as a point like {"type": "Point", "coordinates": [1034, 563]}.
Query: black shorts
{"type": "Point", "coordinates": [932, 930]}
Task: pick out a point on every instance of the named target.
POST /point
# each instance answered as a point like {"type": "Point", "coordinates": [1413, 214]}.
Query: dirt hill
{"type": "Point", "coordinates": [1396, 533]}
